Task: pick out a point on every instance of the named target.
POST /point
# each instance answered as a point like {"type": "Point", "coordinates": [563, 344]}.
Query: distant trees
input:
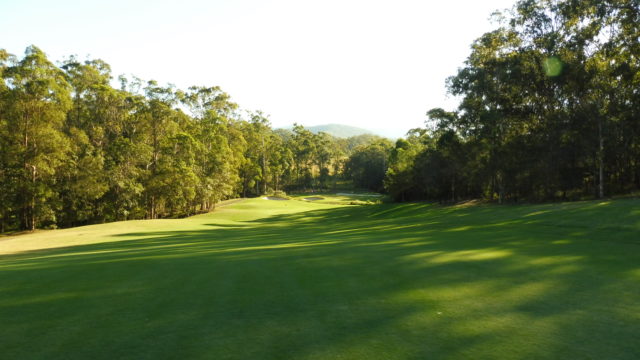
{"type": "Point", "coordinates": [549, 110]}
{"type": "Point", "coordinates": [75, 150]}
{"type": "Point", "coordinates": [368, 164]}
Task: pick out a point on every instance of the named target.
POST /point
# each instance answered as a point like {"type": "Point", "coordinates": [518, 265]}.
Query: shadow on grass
{"type": "Point", "coordinates": [412, 281]}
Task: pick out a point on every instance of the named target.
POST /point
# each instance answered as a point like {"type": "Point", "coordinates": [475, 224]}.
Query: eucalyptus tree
{"type": "Point", "coordinates": [303, 148]}
{"type": "Point", "coordinates": [549, 107]}
{"type": "Point", "coordinates": [176, 179]}
{"type": "Point", "coordinates": [280, 162]}
{"type": "Point", "coordinates": [605, 41]}
{"type": "Point", "coordinates": [84, 179]}
{"type": "Point", "coordinates": [6, 201]}
{"type": "Point", "coordinates": [217, 161]}
{"type": "Point", "coordinates": [37, 98]}
{"type": "Point", "coordinates": [588, 52]}
{"type": "Point", "coordinates": [260, 137]}
{"type": "Point", "coordinates": [160, 119]}
{"type": "Point", "coordinates": [368, 165]}
{"type": "Point", "coordinates": [250, 169]}
{"type": "Point", "coordinates": [494, 84]}
{"type": "Point", "coordinates": [324, 154]}
{"type": "Point", "coordinates": [284, 161]}
{"type": "Point", "coordinates": [400, 180]}
{"type": "Point", "coordinates": [127, 153]}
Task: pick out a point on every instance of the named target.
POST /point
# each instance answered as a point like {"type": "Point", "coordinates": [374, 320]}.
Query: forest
{"type": "Point", "coordinates": [549, 110]}
{"type": "Point", "coordinates": [76, 150]}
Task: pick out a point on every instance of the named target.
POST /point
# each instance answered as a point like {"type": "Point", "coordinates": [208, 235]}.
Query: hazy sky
{"type": "Point", "coordinates": [374, 64]}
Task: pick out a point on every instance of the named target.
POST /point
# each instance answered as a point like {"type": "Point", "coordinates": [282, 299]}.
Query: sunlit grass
{"type": "Point", "coordinates": [340, 198]}
{"type": "Point", "coordinates": [263, 279]}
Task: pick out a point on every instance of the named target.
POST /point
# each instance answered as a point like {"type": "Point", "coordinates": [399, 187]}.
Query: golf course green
{"type": "Point", "coordinates": [294, 279]}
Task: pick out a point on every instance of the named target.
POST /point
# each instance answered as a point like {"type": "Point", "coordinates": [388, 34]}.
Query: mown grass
{"type": "Point", "coordinates": [340, 198]}
{"type": "Point", "coordinates": [302, 280]}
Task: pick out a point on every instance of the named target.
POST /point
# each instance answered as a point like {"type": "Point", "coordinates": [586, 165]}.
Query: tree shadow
{"type": "Point", "coordinates": [386, 281]}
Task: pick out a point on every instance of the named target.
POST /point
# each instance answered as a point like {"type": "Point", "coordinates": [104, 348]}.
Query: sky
{"type": "Point", "coordinates": [379, 65]}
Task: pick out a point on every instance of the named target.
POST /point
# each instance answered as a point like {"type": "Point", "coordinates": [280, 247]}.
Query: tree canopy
{"type": "Point", "coordinates": [76, 150]}
{"type": "Point", "coordinates": [549, 110]}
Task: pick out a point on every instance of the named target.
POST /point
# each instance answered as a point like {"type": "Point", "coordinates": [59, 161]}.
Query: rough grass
{"type": "Point", "coordinates": [305, 280]}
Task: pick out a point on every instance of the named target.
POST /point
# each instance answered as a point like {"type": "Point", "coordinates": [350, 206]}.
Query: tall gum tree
{"type": "Point", "coordinates": [39, 98]}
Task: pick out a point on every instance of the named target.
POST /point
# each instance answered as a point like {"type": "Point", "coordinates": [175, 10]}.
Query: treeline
{"type": "Point", "coordinates": [550, 109]}
{"type": "Point", "coordinates": [75, 150]}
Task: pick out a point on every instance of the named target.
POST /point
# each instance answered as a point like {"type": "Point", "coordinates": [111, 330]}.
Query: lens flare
{"type": "Point", "coordinates": [552, 66]}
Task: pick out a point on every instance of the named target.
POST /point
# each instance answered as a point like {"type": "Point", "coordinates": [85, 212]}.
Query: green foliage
{"type": "Point", "coordinates": [76, 151]}
{"type": "Point", "coordinates": [399, 179]}
{"type": "Point", "coordinates": [280, 194]}
{"type": "Point", "coordinates": [549, 109]}
{"type": "Point", "coordinates": [368, 164]}
{"type": "Point", "coordinates": [35, 102]}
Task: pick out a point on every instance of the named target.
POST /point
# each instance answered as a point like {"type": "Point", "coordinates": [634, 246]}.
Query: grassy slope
{"type": "Point", "coordinates": [292, 279]}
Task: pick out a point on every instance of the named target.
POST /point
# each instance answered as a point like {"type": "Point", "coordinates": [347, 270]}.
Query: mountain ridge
{"type": "Point", "coordinates": [337, 130]}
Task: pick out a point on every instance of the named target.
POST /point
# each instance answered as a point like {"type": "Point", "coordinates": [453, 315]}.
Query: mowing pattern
{"type": "Point", "coordinates": [307, 280]}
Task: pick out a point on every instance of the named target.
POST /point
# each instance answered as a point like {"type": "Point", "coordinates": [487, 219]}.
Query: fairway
{"type": "Point", "coordinates": [261, 279]}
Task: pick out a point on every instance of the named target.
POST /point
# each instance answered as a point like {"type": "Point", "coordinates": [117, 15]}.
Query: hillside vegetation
{"type": "Point", "coordinates": [548, 111]}
{"type": "Point", "coordinates": [261, 279]}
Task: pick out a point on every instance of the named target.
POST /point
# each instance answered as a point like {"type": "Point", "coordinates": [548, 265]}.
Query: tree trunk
{"type": "Point", "coordinates": [600, 160]}
{"type": "Point", "coordinates": [25, 201]}
{"type": "Point", "coordinates": [500, 189]}
{"type": "Point", "coordinates": [264, 168]}
{"type": "Point", "coordinates": [453, 189]}
{"type": "Point", "coordinates": [32, 205]}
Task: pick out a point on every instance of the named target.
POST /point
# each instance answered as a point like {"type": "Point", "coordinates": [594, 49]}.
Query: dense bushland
{"type": "Point", "coordinates": [550, 109]}
{"type": "Point", "coordinates": [76, 150]}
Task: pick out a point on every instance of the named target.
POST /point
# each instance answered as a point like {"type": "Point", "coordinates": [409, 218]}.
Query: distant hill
{"type": "Point", "coordinates": [339, 130]}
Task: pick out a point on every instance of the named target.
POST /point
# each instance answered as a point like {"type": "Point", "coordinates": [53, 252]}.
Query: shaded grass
{"type": "Point", "coordinates": [290, 279]}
